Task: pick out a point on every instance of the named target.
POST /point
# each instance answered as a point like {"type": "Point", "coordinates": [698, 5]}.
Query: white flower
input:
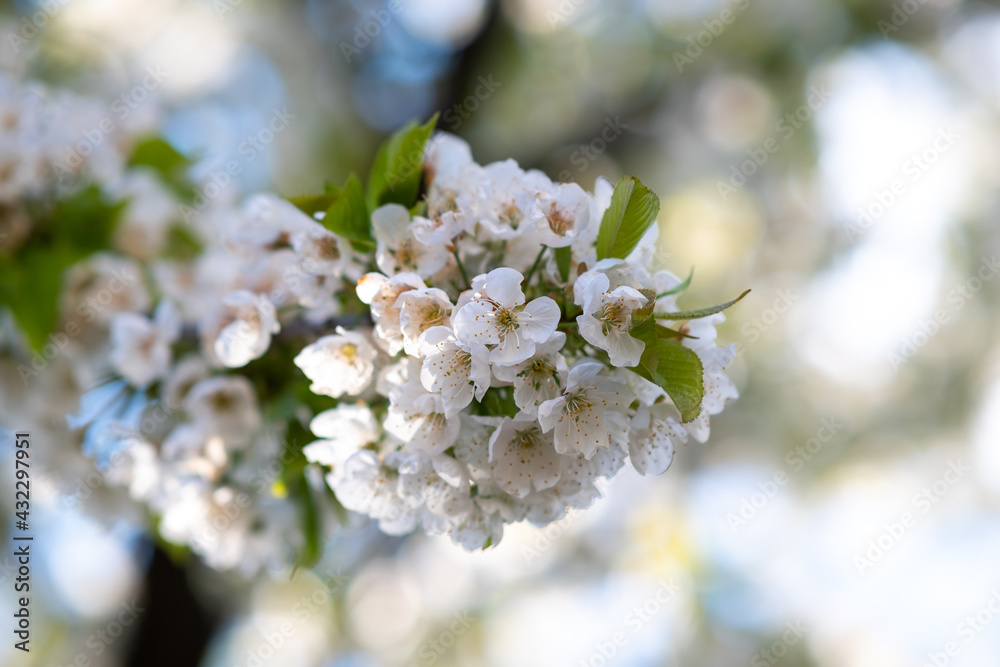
{"type": "Point", "coordinates": [718, 387]}
{"type": "Point", "coordinates": [398, 249]}
{"type": "Point", "coordinates": [478, 530]}
{"type": "Point", "coordinates": [369, 484]}
{"type": "Point", "coordinates": [185, 374]}
{"type": "Point", "coordinates": [321, 252]}
{"type": "Point", "coordinates": [225, 405]}
{"type": "Point", "coordinates": [538, 379]}
{"type": "Point", "coordinates": [656, 433]}
{"type": "Point", "coordinates": [495, 316]}
{"type": "Point", "coordinates": [137, 467]}
{"type": "Point", "coordinates": [607, 317]}
{"type": "Point", "coordinates": [524, 457]}
{"type": "Point", "coordinates": [438, 486]}
{"type": "Point", "coordinates": [509, 200]}
{"type": "Point", "coordinates": [454, 369]}
{"type": "Point", "coordinates": [252, 320]}
{"type": "Point", "coordinates": [345, 429]}
{"type": "Point", "coordinates": [267, 220]}
{"type": "Point", "coordinates": [339, 364]}
{"type": "Point", "coordinates": [141, 347]}
{"type": "Point", "coordinates": [566, 210]}
{"type": "Point", "coordinates": [382, 294]}
{"type": "Point", "coordinates": [418, 419]}
{"type": "Point", "coordinates": [589, 415]}
{"type": "Point", "coordinates": [419, 310]}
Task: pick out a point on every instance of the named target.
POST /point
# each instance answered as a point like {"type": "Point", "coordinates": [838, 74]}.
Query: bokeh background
{"type": "Point", "coordinates": [837, 157]}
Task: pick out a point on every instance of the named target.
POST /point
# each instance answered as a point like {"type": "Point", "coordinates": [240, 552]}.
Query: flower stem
{"type": "Point", "coordinates": [534, 267]}
{"type": "Point", "coordinates": [461, 269]}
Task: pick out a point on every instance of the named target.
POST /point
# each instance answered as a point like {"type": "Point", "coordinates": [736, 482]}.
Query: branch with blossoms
{"type": "Point", "coordinates": [520, 351]}
{"type": "Point", "coordinates": [451, 345]}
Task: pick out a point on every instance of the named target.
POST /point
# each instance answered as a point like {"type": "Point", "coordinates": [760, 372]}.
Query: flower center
{"type": "Point", "coordinates": [510, 214]}
{"type": "Point", "coordinates": [434, 315]}
{"type": "Point", "coordinates": [576, 403]}
{"type": "Point", "coordinates": [528, 438]}
{"type": "Point", "coordinates": [613, 315]}
{"type": "Point", "coordinates": [537, 372]}
{"type": "Point", "coordinates": [327, 248]}
{"type": "Point", "coordinates": [559, 222]}
{"type": "Point", "coordinates": [506, 320]}
{"type": "Point", "coordinates": [349, 352]}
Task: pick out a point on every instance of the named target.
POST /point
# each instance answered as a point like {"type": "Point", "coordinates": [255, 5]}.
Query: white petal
{"type": "Point", "coordinates": [539, 319]}
{"type": "Point", "coordinates": [624, 350]}
{"type": "Point", "coordinates": [512, 350]}
{"type": "Point", "coordinates": [475, 324]}
{"type": "Point", "coordinates": [390, 223]}
{"type": "Point", "coordinates": [503, 285]}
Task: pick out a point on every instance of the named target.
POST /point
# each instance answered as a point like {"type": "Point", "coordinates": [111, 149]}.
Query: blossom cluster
{"type": "Point", "coordinates": [469, 345]}
{"type": "Point", "coordinates": [496, 386]}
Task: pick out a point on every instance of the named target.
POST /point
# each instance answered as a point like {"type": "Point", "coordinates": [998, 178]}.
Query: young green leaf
{"type": "Point", "coordinates": [701, 312]}
{"type": "Point", "coordinates": [679, 371]}
{"type": "Point", "coordinates": [399, 164]}
{"type": "Point", "coordinates": [633, 209]}
{"type": "Point", "coordinates": [313, 204]}
{"type": "Point", "coordinates": [348, 215]}
{"type": "Point", "coordinates": [680, 288]}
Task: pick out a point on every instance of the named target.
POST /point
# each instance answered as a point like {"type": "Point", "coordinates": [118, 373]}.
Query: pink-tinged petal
{"type": "Point", "coordinates": [475, 324]}
{"type": "Point", "coordinates": [539, 319]}
{"type": "Point", "coordinates": [503, 285]}
{"type": "Point", "coordinates": [624, 350]}
{"type": "Point", "coordinates": [513, 350]}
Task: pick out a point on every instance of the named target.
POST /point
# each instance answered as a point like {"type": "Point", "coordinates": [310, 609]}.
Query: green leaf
{"type": "Point", "coordinates": [640, 315]}
{"type": "Point", "coordinates": [672, 366]}
{"type": "Point", "coordinates": [348, 215]}
{"type": "Point", "coordinates": [33, 293]}
{"type": "Point", "coordinates": [646, 332]}
{"type": "Point", "coordinates": [701, 312]}
{"type": "Point", "coordinates": [680, 288]}
{"type": "Point", "coordinates": [32, 279]}
{"type": "Point", "coordinates": [172, 166]}
{"type": "Point", "coordinates": [666, 332]}
{"type": "Point", "coordinates": [680, 372]}
{"type": "Point", "coordinates": [312, 525]}
{"type": "Point", "coordinates": [396, 173]}
{"type": "Point", "coordinates": [182, 244]}
{"type": "Point", "coordinates": [564, 261]}
{"type": "Point", "coordinates": [157, 153]}
{"type": "Point", "coordinates": [313, 204]}
{"type": "Point", "coordinates": [633, 209]}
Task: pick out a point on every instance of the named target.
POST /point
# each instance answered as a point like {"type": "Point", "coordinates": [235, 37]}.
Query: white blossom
{"type": "Point", "coordinates": [457, 371]}
{"type": "Point", "coordinates": [590, 414]}
{"type": "Point", "coordinates": [399, 249]}
{"type": "Point", "coordinates": [251, 320]}
{"type": "Point", "coordinates": [498, 316]}
{"type": "Point", "coordinates": [607, 317]}
{"type": "Point", "coordinates": [141, 346]}
{"type": "Point", "coordinates": [539, 378]}
{"type": "Point", "coordinates": [340, 364]}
